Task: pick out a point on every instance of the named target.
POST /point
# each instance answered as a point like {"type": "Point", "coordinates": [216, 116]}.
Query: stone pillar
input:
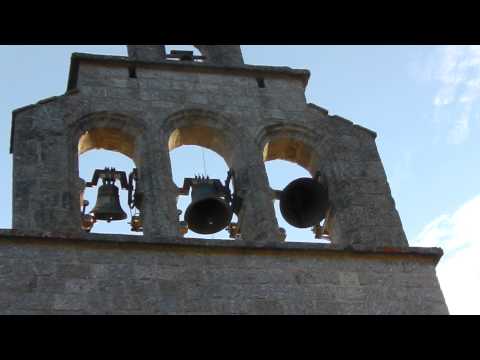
{"type": "Point", "coordinates": [149, 53]}
{"type": "Point", "coordinates": [257, 219]}
{"type": "Point", "coordinates": [161, 218]}
{"type": "Point", "coordinates": [43, 192]}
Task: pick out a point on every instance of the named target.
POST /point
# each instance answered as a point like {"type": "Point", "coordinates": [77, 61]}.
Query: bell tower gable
{"type": "Point", "coordinates": [354, 258]}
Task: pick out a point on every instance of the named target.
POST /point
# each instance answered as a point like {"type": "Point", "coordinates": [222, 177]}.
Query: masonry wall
{"type": "Point", "coordinates": [67, 276]}
{"type": "Point", "coordinates": [166, 96]}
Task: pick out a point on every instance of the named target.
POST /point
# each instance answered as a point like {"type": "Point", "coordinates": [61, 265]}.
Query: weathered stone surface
{"type": "Point", "coordinates": [215, 54]}
{"type": "Point", "coordinates": [146, 52]}
{"type": "Point", "coordinates": [61, 276]}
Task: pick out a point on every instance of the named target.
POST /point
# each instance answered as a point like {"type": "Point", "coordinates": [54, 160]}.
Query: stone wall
{"type": "Point", "coordinates": [104, 274]}
{"type": "Point", "coordinates": [213, 54]}
{"type": "Point", "coordinates": [148, 102]}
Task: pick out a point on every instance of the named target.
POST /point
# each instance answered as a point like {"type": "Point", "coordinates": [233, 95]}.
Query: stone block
{"type": "Point", "coordinates": [79, 286]}
{"type": "Point", "coordinates": [70, 302]}
{"type": "Point", "coordinates": [80, 271]}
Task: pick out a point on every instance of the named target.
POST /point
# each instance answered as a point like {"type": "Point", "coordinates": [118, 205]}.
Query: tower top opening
{"type": "Point", "coordinates": [214, 54]}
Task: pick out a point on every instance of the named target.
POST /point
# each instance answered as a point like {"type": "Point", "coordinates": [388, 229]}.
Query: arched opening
{"type": "Point", "coordinates": [172, 52]}
{"type": "Point", "coordinates": [207, 137]}
{"type": "Point", "coordinates": [290, 149]}
{"type": "Point", "coordinates": [199, 151]}
{"type": "Point", "coordinates": [288, 159]}
{"type": "Point", "coordinates": [107, 138]}
{"type": "Point", "coordinates": [99, 148]}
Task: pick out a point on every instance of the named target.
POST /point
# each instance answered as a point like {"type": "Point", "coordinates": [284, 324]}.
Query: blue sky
{"type": "Point", "coordinates": [423, 101]}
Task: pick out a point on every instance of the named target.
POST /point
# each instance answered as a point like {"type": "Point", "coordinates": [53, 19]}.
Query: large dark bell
{"type": "Point", "coordinates": [209, 212]}
{"type": "Point", "coordinates": [108, 204]}
{"type": "Point", "coordinates": [304, 202]}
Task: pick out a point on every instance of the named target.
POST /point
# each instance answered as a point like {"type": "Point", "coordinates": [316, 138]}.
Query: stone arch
{"type": "Point", "coordinates": [300, 145]}
{"type": "Point", "coordinates": [204, 128]}
{"type": "Point", "coordinates": [296, 144]}
{"type": "Point", "coordinates": [221, 134]}
{"type": "Point", "coordinates": [109, 131]}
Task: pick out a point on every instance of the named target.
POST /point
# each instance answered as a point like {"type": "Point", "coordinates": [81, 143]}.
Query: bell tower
{"type": "Point", "coordinates": [152, 102]}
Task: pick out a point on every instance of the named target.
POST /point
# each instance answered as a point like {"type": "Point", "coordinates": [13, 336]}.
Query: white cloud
{"type": "Point", "coordinates": [459, 269]}
{"type": "Point", "coordinates": [457, 69]}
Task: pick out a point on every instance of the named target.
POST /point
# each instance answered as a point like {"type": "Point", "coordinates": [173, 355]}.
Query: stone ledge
{"type": "Point", "coordinates": [116, 239]}
{"type": "Point", "coordinates": [372, 133]}
{"type": "Point", "coordinates": [324, 112]}
{"type": "Point", "coordinates": [123, 60]}
{"type": "Point", "coordinates": [342, 119]}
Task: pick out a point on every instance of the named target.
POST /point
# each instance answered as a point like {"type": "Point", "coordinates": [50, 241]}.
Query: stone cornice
{"type": "Point", "coordinates": [254, 70]}
{"type": "Point", "coordinates": [131, 240]}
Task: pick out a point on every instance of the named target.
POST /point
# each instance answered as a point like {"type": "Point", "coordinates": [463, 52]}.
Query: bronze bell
{"type": "Point", "coordinates": [108, 202]}
{"type": "Point", "coordinates": [304, 202]}
{"type": "Point", "coordinates": [210, 210]}
{"type": "Point", "coordinates": [108, 206]}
